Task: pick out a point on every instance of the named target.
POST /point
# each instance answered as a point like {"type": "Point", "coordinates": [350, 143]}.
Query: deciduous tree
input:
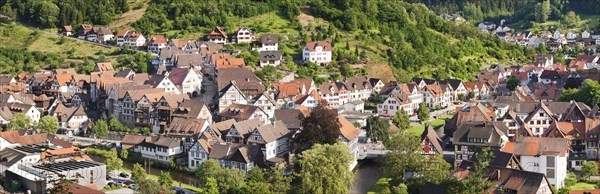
{"type": "Point", "coordinates": [512, 83]}
{"type": "Point", "coordinates": [571, 19]}
{"type": "Point", "coordinates": [320, 127]}
{"type": "Point", "coordinates": [589, 169]}
{"type": "Point", "coordinates": [401, 119]}
{"type": "Point", "coordinates": [124, 153]}
{"type": "Point", "coordinates": [100, 129]}
{"type": "Point", "coordinates": [48, 124]}
{"type": "Point", "coordinates": [314, 177]}
{"type": "Point", "coordinates": [423, 112]}
{"type": "Point", "coordinates": [165, 180]}
{"type": "Point", "coordinates": [19, 121]}
{"type": "Point", "coordinates": [210, 187]}
{"type": "Point", "coordinates": [138, 173]}
{"type": "Point", "coordinates": [377, 129]}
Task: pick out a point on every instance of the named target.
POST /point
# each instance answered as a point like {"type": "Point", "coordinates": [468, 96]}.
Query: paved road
{"type": "Point", "coordinates": [120, 191]}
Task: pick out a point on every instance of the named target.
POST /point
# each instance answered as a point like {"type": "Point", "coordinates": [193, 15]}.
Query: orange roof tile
{"type": "Point", "coordinates": [347, 129]}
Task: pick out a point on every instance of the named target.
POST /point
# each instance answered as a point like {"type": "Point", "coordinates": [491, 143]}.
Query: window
{"type": "Point", "coordinates": [550, 161]}
{"type": "Point", "coordinates": [541, 114]}
{"type": "Point", "coordinates": [550, 173]}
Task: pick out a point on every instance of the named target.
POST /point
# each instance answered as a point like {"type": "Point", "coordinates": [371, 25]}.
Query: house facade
{"type": "Point", "coordinates": [317, 52]}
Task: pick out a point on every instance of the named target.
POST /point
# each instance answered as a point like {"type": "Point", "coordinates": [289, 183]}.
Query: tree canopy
{"type": "Point", "coordinates": [100, 128]}
{"type": "Point", "coordinates": [401, 119]}
{"type": "Point", "coordinates": [512, 83]}
{"type": "Point", "coordinates": [377, 128]}
{"type": "Point", "coordinates": [423, 112]}
{"type": "Point", "coordinates": [48, 124]}
{"type": "Point", "coordinates": [19, 121]}
{"type": "Point", "coordinates": [320, 127]}
{"type": "Point", "coordinates": [314, 177]}
{"type": "Point", "coordinates": [588, 93]}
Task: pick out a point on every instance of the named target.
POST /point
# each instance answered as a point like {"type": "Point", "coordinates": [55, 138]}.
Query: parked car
{"type": "Point", "coordinates": [124, 175]}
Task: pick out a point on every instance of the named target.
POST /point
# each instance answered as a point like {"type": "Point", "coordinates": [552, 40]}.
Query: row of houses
{"type": "Point", "coordinates": [239, 144]}
{"type": "Point", "coordinates": [436, 94]}
{"type": "Point", "coordinates": [553, 40]}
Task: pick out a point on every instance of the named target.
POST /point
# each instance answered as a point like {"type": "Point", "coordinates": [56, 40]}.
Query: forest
{"type": "Point", "coordinates": [421, 43]}
{"type": "Point", "coordinates": [53, 13]}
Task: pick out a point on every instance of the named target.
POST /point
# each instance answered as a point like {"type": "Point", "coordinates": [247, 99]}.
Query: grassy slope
{"type": "Point", "coordinates": [136, 12]}
{"type": "Point", "coordinates": [17, 36]}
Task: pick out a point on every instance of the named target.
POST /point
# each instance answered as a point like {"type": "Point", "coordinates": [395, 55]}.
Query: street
{"type": "Point", "coordinates": [210, 89]}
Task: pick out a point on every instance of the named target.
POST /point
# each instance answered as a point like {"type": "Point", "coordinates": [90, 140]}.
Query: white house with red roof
{"type": "Point", "coordinates": [156, 43]}
{"type": "Point", "coordinates": [243, 35]}
{"type": "Point", "coordinates": [317, 52]}
{"type": "Point", "coordinates": [130, 38]}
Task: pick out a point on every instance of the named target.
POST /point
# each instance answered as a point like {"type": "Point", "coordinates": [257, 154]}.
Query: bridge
{"type": "Point", "coordinates": [371, 150]}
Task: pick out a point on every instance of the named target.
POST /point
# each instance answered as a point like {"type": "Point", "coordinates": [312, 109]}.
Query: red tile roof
{"type": "Point", "coordinates": [311, 46]}
{"type": "Point", "coordinates": [158, 39]}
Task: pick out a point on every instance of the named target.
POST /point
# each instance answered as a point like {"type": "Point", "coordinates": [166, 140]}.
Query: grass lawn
{"type": "Point", "coordinates": [582, 186]}
{"type": "Point", "coordinates": [380, 186]}
{"type": "Point", "coordinates": [417, 130]}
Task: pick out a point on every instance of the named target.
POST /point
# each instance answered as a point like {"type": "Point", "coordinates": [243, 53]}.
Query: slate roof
{"type": "Point", "coordinates": [290, 117]}
{"type": "Point", "coordinates": [124, 73]}
{"type": "Point", "coordinates": [489, 130]}
{"type": "Point", "coordinates": [269, 39]}
{"type": "Point", "coordinates": [270, 55]}
{"type": "Point", "coordinates": [272, 132]}
{"type": "Point", "coordinates": [245, 128]}
{"type": "Point", "coordinates": [9, 157]}
{"type": "Point", "coordinates": [550, 74]}
{"type": "Point", "coordinates": [357, 83]}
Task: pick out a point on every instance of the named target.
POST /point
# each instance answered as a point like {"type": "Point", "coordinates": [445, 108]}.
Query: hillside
{"type": "Point", "coordinates": [18, 36]}
{"type": "Point", "coordinates": [27, 49]}
{"type": "Point", "coordinates": [389, 39]}
{"type": "Point", "coordinates": [530, 15]}
{"type": "Point", "coordinates": [408, 38]}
